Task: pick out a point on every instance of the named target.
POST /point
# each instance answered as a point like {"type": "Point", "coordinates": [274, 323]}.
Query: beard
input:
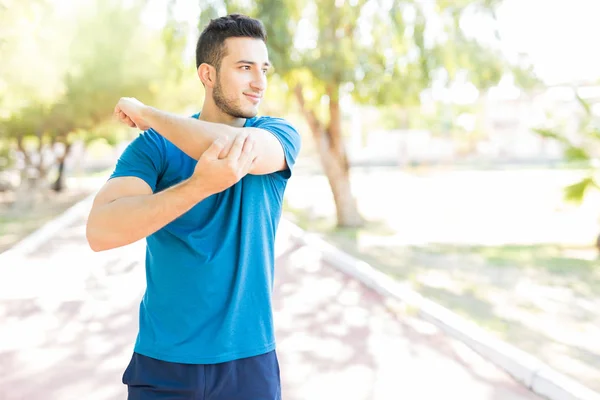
{"type": "Point", "coordinates": [229, 106]}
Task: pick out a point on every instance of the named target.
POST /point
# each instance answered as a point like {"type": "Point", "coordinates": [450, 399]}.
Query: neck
{"type": "Point", "coordinates": [211, 113]}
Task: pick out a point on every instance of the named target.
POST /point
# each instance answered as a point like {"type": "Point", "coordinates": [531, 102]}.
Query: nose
{"type": "Point", "coordinates": [259, 82]}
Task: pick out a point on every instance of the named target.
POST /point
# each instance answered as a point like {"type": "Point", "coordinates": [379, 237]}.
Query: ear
{"type": "Point", "coordinates": [207, 74]}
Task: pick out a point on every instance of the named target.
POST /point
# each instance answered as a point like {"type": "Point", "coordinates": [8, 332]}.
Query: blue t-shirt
{"type": "Point", "coordinates": [209, 273]}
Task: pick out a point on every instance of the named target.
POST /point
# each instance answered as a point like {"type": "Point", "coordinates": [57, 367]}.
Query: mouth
{"type": "Point", "coordinates": [254, 98]}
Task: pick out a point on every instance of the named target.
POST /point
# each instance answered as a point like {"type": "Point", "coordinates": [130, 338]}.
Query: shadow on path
{"type": "Point", "coordinates": [68, 320]}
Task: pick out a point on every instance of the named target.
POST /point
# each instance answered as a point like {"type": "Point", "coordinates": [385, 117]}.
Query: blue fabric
{"type": "Point", "coordinates": [253, 378]}
{"type": "Point", "coordinates": [209, 273]}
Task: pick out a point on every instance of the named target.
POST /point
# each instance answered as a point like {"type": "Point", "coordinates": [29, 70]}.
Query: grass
{"type": "Point", "coordinates": [326, 224]}
{"type": "Point", "coordinates": [511, 290]}
{"type": "Point", "coordinates": [15, 227]}
{"type": "Point", "coordinates": [16, 224]}
{"type": "Point", "coordinates": [552, 257]}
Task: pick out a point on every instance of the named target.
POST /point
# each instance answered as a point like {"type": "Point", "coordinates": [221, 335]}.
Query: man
{"type": "Point", "coordinates": [206, 192]}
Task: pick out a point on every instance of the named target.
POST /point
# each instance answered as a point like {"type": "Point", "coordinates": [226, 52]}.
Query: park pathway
{"type": "Point", "coordinates": [68, 319]}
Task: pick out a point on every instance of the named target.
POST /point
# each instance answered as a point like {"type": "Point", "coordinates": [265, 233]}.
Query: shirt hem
{"type": "Point", "coordinates": [205, 360]}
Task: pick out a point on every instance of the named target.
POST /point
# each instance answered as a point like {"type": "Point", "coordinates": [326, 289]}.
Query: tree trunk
{"type": "Point", "coordinates": [31, 187]}
{"type": "Point", "coordinates": [23, 198]}
{"type": "Point", "coordinates": [333, 157]}
{"type": "Point", "coordinates": [59, 183]}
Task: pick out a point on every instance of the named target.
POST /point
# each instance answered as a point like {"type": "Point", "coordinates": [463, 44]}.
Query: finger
{"type": "Point", "coordinates": [126, 120]}
{"type": "Point", "coordinates": [212, 153]}
{"type": "Point", "coordinates": [247, 153]}
{"type": "Point", "coordinates": [249, 157]}
{"type": "Point", "coordinates": [236, 149]}
{"type": "Point", "coordinates": [249, 165]}
{"type": "Point", "coordinates": [226, 147]}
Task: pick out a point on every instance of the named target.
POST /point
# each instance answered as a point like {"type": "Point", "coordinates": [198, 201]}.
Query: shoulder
{"type": "Point", "coordinates": [150, 137]}
{"type": "Point", "coordinates": [279, 127]}
{"type": "Point", "coordinates": [265, 121]}
{"type": "Point", "coordinates": [149, 143]}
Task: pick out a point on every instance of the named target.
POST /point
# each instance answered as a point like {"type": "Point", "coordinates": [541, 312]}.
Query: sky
{"type": "Point", "coordinates": [559, 36]}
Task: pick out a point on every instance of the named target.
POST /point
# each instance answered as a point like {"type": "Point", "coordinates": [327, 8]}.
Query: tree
{"type": "Point", "coordinates": [581, 148]}
{"type": "Point", "coordinates": [31, 51]}
{"type": "Point", "coordinates": [30, 67]}
{"type": "Point", "coordinates": [373, 51]}
{"type": "Point", "coordinates": [108, 57]}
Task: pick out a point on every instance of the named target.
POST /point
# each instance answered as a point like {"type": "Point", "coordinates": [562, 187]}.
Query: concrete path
{"type": "Point", "coordinates": [68, 320]}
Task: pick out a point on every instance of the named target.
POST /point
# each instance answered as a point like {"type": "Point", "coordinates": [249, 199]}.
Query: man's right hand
{"type": "Point", "coordinates": [213, 175]}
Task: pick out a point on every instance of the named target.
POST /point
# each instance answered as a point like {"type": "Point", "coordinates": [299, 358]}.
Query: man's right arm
{"type": "Point", "coordinates": [125, 210]}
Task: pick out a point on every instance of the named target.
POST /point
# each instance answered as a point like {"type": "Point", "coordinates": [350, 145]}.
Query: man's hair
{"type": "Point", "coordinates": [211, 49]}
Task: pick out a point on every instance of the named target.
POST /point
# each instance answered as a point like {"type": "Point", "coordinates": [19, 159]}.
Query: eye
{"type": "Point", "coordinates": [265, 71]}
{"type": "Point", "coordinates": [246, 67]}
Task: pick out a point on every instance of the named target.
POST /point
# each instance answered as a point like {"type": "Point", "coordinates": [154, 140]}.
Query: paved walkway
{"type": "Point", "coordinates": [68, 319]}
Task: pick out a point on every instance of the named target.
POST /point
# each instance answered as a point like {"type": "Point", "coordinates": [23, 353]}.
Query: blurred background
{"type": "Point", "coordinates": [452, 145]}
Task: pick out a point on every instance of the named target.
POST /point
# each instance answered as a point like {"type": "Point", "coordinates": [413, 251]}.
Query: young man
{"type": "Point", "coordinates": [206, 192]}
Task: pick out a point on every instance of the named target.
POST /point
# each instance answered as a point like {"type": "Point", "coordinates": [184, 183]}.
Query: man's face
{"type": "Point", "coordinates": [241, 78]}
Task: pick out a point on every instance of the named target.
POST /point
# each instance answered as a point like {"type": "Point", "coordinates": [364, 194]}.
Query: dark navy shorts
{"type": "Point", "coordinates": [252, 378]}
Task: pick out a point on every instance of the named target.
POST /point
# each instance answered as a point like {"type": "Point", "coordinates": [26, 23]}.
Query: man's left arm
{"type": "Point", "coordinates": [194, 136]}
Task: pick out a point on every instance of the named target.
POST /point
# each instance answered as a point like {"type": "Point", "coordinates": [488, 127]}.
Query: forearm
{"type": "Point", "coordinates": [193, 137]}
{"type": "Point", "coordinates": [129, 219]}
{"type": "Point", "coordinates": [190, 135]}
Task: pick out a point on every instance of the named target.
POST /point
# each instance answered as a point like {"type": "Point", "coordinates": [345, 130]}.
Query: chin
{"type": "Point", "coordinates": [251, 113]}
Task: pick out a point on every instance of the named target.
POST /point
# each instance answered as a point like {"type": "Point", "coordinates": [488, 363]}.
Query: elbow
{"type": "Point", "coordinates": [94, 240]}
{"type": "Point", "coordinates": [96, 247]}
{"type": "Point", "coordinates": [94, 243]}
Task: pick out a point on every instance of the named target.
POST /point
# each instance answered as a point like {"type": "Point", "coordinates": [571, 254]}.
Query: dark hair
{"type": "Point", "coordinates": [210, 48]}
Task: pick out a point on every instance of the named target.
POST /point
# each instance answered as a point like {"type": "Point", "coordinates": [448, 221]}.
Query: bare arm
{"type": "Point", "coordinates": [125, 210]}
{"type": "Point", "coordinates": [193, 136]}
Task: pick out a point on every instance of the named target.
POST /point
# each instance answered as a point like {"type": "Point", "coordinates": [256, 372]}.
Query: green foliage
{"type": "Point", "coordinates": [96, 54]}
{"type": "Point", "coordinates": [550, 134]}
{"type": "Point", "coordinates": [383, 57]}
{"type": "Point", "coordinates": [380, 53]}
{"type": "Point", "coordinates": [576, 153]}
{"type": "Point", "coordinates": [581, 149]}
{"type": "Point", "coordinates": [109, 57]}
{"type": "Point", "coordinates": [33, 45]}
{"type": "Point", "coordinates": [575, 192]}
{"type": "Point", "coordinates": [5, 155]}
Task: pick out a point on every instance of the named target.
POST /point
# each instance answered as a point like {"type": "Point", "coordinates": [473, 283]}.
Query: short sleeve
{"type": "Point", "coordinates": [287, 135]}
{"type": "Point", "coordinates": [143, 158]}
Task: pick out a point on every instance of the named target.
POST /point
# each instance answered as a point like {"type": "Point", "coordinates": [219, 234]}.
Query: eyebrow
{"type": "Point", "coordinates": [266, 63]}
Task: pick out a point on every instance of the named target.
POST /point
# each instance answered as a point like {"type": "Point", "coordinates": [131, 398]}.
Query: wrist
{"type": "Point", "coordinates": [148, 114]}
{"type": "Point", "coordinates": [195, 190]}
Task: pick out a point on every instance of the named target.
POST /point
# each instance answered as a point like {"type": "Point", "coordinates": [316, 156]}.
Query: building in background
{"type": "Point", "coordinates": [505, 117]}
